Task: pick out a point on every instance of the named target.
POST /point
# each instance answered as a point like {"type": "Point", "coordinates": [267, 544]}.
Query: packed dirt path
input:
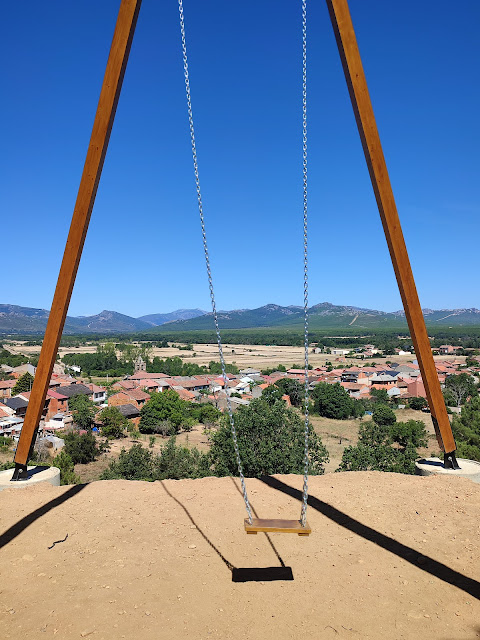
{"type": "Point", "coordinates": [390, 557]}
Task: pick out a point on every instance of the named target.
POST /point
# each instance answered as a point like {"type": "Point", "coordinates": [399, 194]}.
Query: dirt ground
{"type": "Point", "coordinates": [390, 557]}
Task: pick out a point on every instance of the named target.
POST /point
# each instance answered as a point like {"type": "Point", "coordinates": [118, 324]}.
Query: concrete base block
{"type": "Point", "coordinates": [434, 466]}
{"type": "Point", "coordinates": [35, 475]}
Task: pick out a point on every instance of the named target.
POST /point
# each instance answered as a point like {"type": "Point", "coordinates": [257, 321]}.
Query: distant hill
{"type": "Point", "coordinates": [24, 320]}
{"type": "Point", "coordinates": [157, 319]}
{"type": "Point", "coordinates": [15, 319]}
{"type": "Point", "coordinates": [324, 316]}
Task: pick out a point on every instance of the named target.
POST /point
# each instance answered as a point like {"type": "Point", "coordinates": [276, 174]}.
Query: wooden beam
{"type": "Point", "coordinates": [362, 106]}
{"type": "Point", "coordinates": [102, 127]}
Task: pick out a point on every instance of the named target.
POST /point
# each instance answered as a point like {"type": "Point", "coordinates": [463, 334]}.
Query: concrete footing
{"type": "Point", "coordinates": [35, 475]}
{"type": "Point", "coordinates": [434, 466]}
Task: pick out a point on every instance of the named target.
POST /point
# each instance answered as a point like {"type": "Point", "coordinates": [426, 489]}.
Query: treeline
{"type": "Point", "coordinates": [384, 339]}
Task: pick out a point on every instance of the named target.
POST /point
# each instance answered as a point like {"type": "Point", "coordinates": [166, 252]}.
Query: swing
{"type": "Point", "coordinates": [257, 525]}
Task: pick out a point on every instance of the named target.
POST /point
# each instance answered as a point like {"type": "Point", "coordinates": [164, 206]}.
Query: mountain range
{"type": "Point", "coordinates": [25, 320]}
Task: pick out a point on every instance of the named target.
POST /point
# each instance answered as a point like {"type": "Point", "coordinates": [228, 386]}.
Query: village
{"type": "Point", "coordinates": [402, 382]}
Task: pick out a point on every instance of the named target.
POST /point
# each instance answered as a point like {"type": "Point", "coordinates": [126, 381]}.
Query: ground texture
{"type": "Point", "coordinates": [390, 557]}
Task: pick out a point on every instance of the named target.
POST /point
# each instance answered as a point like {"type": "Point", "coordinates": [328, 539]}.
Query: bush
{"type": "Point", "coordinates": [5, 443]}
{"type": "Point", "coordinates": [466, 430]}
{"type": "Point", "coordinates": [417, 403]}
{"type": "Point", "coordinates": [270, 440]}
{"type": "Point", "coordinates": [65, 463]}
{"type": "Point", "coordinates": [376, 450]}
{"type": "Point", "coordinates": [173, 462]}
{"type": "Point", "coordinates": [82, 448]}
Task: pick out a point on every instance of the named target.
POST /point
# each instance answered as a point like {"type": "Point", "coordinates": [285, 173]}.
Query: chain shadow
{"type": "Point", "coordinates": [20, 526]}
{"type": "Point", "coordinates": [419, 560]}
{"type": "Point", "coordinates": [239, 574]}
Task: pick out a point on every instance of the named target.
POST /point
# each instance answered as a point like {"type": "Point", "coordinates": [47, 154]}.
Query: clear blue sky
{"type": "Point", "coordinates": [143, 252]}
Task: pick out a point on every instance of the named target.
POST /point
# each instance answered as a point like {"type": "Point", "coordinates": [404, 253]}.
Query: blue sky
{"type": "Point", "coordinates": [143, 252]}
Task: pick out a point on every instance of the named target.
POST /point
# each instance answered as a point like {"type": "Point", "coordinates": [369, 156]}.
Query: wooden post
{"type": "Point", "coordinates": [102, 127]}
{"type": "Point", "coordinates": [362, 106]}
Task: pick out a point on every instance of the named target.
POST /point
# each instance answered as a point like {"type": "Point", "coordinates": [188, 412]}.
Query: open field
{"type": "Point", "coordinates": [243, 356]}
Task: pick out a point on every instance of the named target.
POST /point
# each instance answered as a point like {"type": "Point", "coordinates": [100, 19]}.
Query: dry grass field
{"type": "Point", "coordinates": [243, 356]}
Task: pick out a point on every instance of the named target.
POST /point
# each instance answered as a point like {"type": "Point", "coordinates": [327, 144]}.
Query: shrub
{"type": "Point", "coordinates": [82, 448]}
{"type": "Point", "coordinates": [417, 403]}
{"type": "Point", "coordinates": [65, 463]}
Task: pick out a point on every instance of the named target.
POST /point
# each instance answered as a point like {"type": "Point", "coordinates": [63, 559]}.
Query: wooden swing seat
{"type": "Point", "coordinates": [264, 525]}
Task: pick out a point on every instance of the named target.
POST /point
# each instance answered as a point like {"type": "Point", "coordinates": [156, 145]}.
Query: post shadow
{"type": "Point", "coordinates": [416, 558]}
{"type": "Point", "coordinates": [17, 528]}
{"type": "Point", "coordinates": [240, 574]}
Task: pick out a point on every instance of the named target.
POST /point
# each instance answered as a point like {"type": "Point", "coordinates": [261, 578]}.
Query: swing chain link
{"type": "Point", "coordinates": [207, 262]}
{"type": "Point", "coordinates": [303, 516]}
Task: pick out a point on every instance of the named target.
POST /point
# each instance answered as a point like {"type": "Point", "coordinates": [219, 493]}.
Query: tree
{"type": "Point", "coordinates": [379, 395]}
{"type": "Point", "coordinates": [417, 403]}
{"type": "Point", "coordinates": [165, 406]}
{"type": "Point", "coordinates": [458, 388]}
{"type": "Point", "coordinates": [83, 411]}
{"type": "Point", "coordinates": [113, 423]}
{"type": "Point", "coordinates": [270, 439]}
{"type": "Point", "coordinates": [383, 415]}
{"type": "Point", "coordinates": [272, 394]}
{"type": "Point", "coordinates": [293, 389]}
{"type": "Point", "coordinates": [412, 431]}
{"type": "Point", "coordinates": [332, 401]}
{"type": "Point", "coordinates": [24, 384]}
{"type": "Point", "coordinates": [82, 448]}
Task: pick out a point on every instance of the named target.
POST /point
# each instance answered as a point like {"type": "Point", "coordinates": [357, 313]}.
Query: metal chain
{"type": "Point", "coordinates": [207, 262]}
{"type": "Point", "coordinates": [303, 516]}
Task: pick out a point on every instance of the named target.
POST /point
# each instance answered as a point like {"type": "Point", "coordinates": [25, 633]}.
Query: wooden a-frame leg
{"type": "Point", "coordinates": [357, 86]}
{"type": "Point", "coordinates": [97, 149]}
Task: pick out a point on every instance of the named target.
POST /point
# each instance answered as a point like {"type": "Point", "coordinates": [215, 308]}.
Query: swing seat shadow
{"type": "Point", "coordinates": [261, 574]}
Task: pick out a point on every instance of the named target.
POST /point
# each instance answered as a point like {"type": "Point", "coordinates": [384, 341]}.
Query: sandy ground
{"type": "Point", "coordinates": [390, 557]}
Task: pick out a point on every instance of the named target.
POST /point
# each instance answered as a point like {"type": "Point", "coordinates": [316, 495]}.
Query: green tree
{"type": "Point", "coordinates": [272, 394]}
{"type": "Point", "coordinates": [165, 406]}
{"type": "Point", "coordinates": [113, 423]}
{"type": "Point", "coordinates": [412, 431]}
{"type": "Point", "coordinates": [83, 411]}
{"type": "Point", "coordinates": [82, 448]}
{"type": "Point", "coordinates": [293, 389]}
{"type": "Point", "coordinates": [379, 395]}
{"type": "Point", "coordinates": [24, 384]}
{"type": "Point", "coordinates": [332, 401]}
{"type": "Point", "coordinates": [270, 440]}
{"type": "Point", "coordinates": [458, 388]}
{"type": "Point", "coordinates": [417, 403]}
{"type": "Point", "coordinates": [383, 415]}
